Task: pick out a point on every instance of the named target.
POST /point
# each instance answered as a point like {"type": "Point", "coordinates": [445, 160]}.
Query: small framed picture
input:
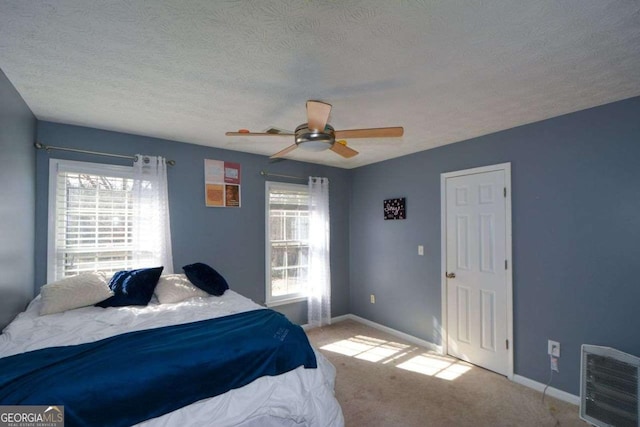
{"type": "Point", "coordinates": [395, 209]}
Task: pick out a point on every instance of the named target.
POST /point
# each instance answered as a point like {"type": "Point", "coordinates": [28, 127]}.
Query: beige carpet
{"type": "Point", "coordinates": [385, 381]}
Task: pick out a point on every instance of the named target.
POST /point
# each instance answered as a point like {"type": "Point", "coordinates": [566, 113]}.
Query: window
{"type": "Point", "coordinates": [287, 237]}
{"type": "Point", "coordinates": [90, 218]}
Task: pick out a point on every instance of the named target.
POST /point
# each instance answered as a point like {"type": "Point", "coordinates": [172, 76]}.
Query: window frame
{"type": "Point", "coordinates": [60, 165]}
{"type": "Point", "coordinates": [271, 300]}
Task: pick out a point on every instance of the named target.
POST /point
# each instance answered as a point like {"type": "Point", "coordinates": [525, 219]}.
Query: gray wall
{"type": "Point", "coordinates": [576, 227]}
{"type": "Point", "coordinates": [17, 208]}
{"type": "Point", "coordinates": [230, 240]}
{"type": "Point", "coordinates": [576, 236]}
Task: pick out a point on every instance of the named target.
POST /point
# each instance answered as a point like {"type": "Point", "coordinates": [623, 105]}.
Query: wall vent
{"type": "Point", "coordinates": [609, 383]}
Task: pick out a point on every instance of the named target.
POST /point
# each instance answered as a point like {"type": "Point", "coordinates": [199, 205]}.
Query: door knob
{"type": "Point", "coordinates": [451, 275]}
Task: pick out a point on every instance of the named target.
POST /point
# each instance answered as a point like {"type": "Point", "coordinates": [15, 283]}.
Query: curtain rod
{"type": "Point", "coordinates": [40, 146]}
{"type": "Point", "coordinates": [267, 174]}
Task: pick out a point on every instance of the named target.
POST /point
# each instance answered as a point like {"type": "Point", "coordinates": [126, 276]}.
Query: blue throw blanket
{"type": "Point", "coordinates": [128, 378]}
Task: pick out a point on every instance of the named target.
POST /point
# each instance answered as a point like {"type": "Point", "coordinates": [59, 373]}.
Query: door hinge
{"type": "Point", "coordinates": [507, 342]}
{"type": "Point", "coordinates": [506, 264]}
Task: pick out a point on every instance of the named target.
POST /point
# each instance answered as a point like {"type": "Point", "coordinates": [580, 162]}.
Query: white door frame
{"type": "Point", "coordinates": [506, 167]}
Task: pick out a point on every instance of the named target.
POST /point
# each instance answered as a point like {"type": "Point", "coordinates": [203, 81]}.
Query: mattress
{"type": "Point", "coordinates": [301, 397]}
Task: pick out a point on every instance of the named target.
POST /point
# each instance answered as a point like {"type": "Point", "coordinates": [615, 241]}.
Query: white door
{"type": "Point", "coordinates": [477, 307]}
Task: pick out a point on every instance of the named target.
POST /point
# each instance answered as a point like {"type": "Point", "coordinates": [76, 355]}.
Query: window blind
{"type": "Point", "coordinates": [93, 223]}
{"type": "Point", "coordinates": [288, 236]}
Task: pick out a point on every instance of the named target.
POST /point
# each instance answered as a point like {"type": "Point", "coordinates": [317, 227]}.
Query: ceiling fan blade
{"type": "Point", "coordinates": [370, 133]}
{"type": "Point", "coordinates": [343, 150]}
{"type": "Point", "coordinates": [284, 152]}
{"type": "Point", "coordinates": [257, 134]}
{"type": "Point", "coordinates": [317, 114]}
{"type": "Point", "coordinates": [277, 159]}
{"type": "Point", "coordinates": [278, 131]}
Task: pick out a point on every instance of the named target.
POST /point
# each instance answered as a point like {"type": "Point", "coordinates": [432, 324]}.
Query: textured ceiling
{"type": "Point", "coordinates": [445, 70]}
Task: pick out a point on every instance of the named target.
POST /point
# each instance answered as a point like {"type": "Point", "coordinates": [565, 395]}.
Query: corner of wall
{"type": "Point", "coordinates": [17, 228]}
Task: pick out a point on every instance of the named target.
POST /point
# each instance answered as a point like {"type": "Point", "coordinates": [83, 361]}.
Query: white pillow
{"type": "Point", "coordinates": [74, 292]}
{"type": "Point", "coordinates": [175, 288]}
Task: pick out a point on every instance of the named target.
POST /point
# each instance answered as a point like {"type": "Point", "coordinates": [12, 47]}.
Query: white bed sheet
{"type": "Point", "coordinates": [302, 397]}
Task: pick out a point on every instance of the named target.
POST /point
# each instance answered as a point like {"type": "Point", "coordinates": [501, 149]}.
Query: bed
{"type": "Point", "coordinates": [298, 397]}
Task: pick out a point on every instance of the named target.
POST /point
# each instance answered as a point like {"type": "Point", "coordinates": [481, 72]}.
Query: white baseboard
{"type": "Point", "coordinates": [341, 318]}
{"type": "Point", "coordinates": [535, 385]}
{"type": "Point", "coordinates": [336, 319]}
{"type": "Point", "coordinates": [553, 392]}
{"type": "Point", "coordinates": [423, 343]}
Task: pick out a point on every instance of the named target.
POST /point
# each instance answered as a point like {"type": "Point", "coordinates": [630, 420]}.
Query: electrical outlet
{"type": "Point", "coordinates": [420, 250]}
{"type": "Point", "coordinates": [553, 348]}
{"type": "Point", "coordinates": [373, 299]}
{"type": "Point", "coordinates": [554, 363]}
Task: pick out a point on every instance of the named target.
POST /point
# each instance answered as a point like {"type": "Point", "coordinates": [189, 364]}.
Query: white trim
{"type": "Point", "coordinates": [338, 319]}
{"type": "Point", "coordinates": [410, 338]}
{"type": "Point", "coordinates": [418, 341]}
{"type": "Point", "coordinates": [51, 249]}
{"type": "Point", "coordinates": [334, 320]}
{"type": "Point", "coordinates": [285, 301]}
{"type": "Point", "coordinates": [267, 249]}
{"type": "Point", "coordinates": [269, 300]}
{"type": "Point", "coordinates": [93, 168]}
{"type": "Point", "coordinates": [506, 168]}
{"type": "Point", "coordinates": [551, 391]}
{"type": "Point", "coordinates": [518, 379]}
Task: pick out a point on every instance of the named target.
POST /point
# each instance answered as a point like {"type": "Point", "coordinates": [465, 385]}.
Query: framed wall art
{"type": "Point", "coordinates": [222, 183]}
{"type": "Point", "coordinates": [395, 209]}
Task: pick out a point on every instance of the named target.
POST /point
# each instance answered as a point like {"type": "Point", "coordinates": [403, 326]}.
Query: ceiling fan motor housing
{"type": "Point", "coordinates": [314, 140]}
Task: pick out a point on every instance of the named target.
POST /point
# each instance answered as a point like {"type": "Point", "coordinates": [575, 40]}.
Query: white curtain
{"type": "Point", "coordinates": [319, 300]}
{"type": "Point", "coordinates": [151, 230]}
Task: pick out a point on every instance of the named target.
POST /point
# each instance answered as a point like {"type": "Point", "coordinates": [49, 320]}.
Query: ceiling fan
{"type": "Point", "coordinates": [318, 135]}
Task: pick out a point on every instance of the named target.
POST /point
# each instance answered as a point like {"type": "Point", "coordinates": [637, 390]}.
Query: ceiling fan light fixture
{"type": "Point", "coordinates": [313, 140]}
{"type": "Point", "coordinates": [318, 135]}
{"type": "Point", "coordinates": [315, 146]}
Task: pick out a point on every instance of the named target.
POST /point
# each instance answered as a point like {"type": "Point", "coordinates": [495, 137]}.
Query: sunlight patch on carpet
{"type": "Point", "coordinates": [403, 356]}
{"type": "Point", "coordinates": [366, 348]}
{"type": "Point", "coordinates": [436, 366]}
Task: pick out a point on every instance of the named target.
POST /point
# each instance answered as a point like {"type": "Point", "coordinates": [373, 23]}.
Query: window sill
{"type": "Point", "coordinates": [285, 301]}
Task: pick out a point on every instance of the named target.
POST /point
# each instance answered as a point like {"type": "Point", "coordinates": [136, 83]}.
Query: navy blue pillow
{"type": "Point", "coordinates": [132, 287]}
{"type": "Point", "coordinates": [206, 278]}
